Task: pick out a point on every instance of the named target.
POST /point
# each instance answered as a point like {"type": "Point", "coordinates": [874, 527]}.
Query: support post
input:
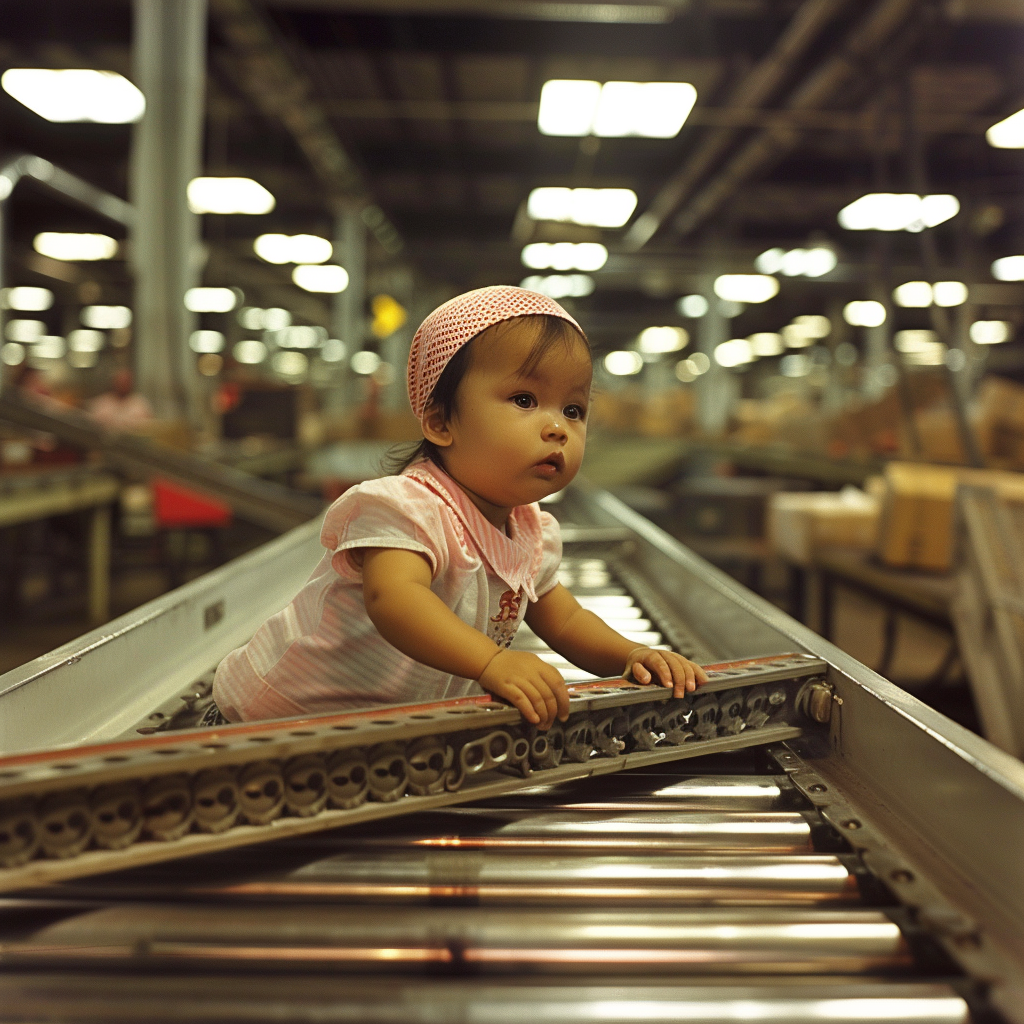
{"type": "Point", "coordinates": [348, 316]}
{"type": "Point", "coordinates": [169, 55]}
{"type": "Point", "coordinates": [717, 389]}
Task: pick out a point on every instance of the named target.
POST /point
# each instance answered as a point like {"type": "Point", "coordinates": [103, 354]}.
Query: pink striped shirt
{"type": "Point", "coordinates": [322, 653]}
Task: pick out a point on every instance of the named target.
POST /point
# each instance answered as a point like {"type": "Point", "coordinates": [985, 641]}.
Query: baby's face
{"type": "Point", "coordinates": [519, 432]}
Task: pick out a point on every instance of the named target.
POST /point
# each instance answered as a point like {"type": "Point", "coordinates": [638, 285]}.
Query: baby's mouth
{"type": "Point", "coordinates": [556, 462]}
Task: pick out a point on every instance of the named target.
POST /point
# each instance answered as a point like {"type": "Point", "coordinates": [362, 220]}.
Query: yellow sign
{"type": "Point", "coordinates": [388, 315]}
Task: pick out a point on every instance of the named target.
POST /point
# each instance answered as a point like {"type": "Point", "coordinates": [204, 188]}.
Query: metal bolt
{"type": "Point", "coordinates": [817, 788]}
{"type": "Point", "coordinates": [853, 823]}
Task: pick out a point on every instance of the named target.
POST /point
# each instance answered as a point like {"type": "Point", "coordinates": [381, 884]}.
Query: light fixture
{"type": "Point", "coordinates": [735, 352]}
{"type": "Point", "coordinates": [949, 293]}
{"type": "Point", "coordinates": [289, 363]}
{"type": "Point", "coordinates": [228, 195]}
{"type": "Point", "coordinates": [1008, 133]}
{"type": "Point", "coordinates": [210, 300]}
{"type": "Point", "coordinates": [622, 363]}
{"type": "Point", "coordinates": [328, 278]}
{"type": "Point", "coordinates": [813, 325]}
{"type": "Point", "coordinates": [913, 295]}
{"type": "Point", "coordinates": [49, 346]}
{"type": "Point", "coordinates": [692, 306]}
{"type": "Point", "coordinates": [333, 350]}
{"type": "Point", "coordinates": [26, 299]}
{"type": "Point", "coordinates": [699, 362]}
{"type": "Point", "coordinates": [588, 256]}
{"type": "Point", "coordinates": [73, 245]}
{"type": "Point", "coordinates": [209, 364]}
{"type": "Point", "coordinates": [301, 337]}
{"type": "Point", "coordinates": [990, 332]}
{"type": "Point", "coordinates": [276, 319]}
{"type": "Point", "coordinates": [75, 94]}
{"type": "Point", "coordinates": [86, 340]}
{"type": "Point", "coordinates": [12, 354]}
{"type": "Point", "coordinates": [206, 341]}
{"type": "Point", "coordinates": [250, 352]}
{"type": "Point", "coordinates": [766, 343]}
{"type": "Point", "coordinates": [746, 287]}
{"type": "Point", "coordinates": [616, 109]}
{"type": "Point", "coordinates": [814, 262]}
{"type": "Point", "coordinates": [106, 318]}
{"type": "Point", "coordinates": [659, 340]}
{"type": "Point", "coordinates": [25, 331]}
{"type": "Point", "coordinates": [891, 211]}
{"type": "Point", "coordinates": [276, 248]}
{"type": "Point", "coordinates": [864, 313]}
{"type": "Point", "coordinates": [365, 362]}
{"type": "Point", "coordinates": [1008, 268]}
{"type": "Point", "coordinates": [914, 341]}
{"type": "Point", "coordinates": [559, 286]}
{"type": "Point", "coordinates": [592, 207]}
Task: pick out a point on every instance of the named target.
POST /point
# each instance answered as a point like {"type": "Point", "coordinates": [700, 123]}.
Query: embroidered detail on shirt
{"type": "Point", "coordinates": [508, 606]}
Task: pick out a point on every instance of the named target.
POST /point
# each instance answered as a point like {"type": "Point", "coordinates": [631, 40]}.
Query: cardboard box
{"type": "Point", "coordinates": [800, 523]}
{"type": "Point", "coordinates": [916, 525]}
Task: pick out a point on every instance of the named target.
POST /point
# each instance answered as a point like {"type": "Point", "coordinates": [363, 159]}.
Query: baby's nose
{"type": "Point", "coordinates": [555, 431]}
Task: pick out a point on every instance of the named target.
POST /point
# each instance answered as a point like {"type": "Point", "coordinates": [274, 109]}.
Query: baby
{"type": "Point", "coordinates": [428, 574]}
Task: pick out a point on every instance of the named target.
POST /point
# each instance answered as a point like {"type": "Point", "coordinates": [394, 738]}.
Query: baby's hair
{"type": "Point", "coordinates": [553, 330]}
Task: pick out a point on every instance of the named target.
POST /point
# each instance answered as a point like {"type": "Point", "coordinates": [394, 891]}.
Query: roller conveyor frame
{"type": "Point", "coordinates": [934, 811]}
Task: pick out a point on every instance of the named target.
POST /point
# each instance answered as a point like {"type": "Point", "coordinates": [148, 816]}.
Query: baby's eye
{"type": "Point", "coordinates": [574, 412]}
{"type": "Point", "coordinates": [524, 401]}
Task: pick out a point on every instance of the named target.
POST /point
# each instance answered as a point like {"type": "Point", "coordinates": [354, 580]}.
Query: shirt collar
{"type": "Point", "coordinates": [514, 556]}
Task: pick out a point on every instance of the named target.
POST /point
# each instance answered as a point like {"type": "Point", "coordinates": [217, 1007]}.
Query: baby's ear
{"type": "Point", "coordinates": [435, 427]}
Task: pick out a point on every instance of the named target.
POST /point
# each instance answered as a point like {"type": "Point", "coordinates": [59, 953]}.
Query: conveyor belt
{"type": "Point", "coordinates": [819, 879]}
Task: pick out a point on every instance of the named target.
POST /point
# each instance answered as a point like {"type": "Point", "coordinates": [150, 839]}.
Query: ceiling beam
{"type": "Point", "coordinates": [754, 90]}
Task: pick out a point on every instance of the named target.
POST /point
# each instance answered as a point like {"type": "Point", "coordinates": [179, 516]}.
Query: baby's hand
{"type": "Point", "coordinates": [532, 685]}
{"type": "Point", "coordinates": [646, 665]}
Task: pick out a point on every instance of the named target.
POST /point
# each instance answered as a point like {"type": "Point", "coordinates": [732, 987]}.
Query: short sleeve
{"type": "Point", "coordinates": [551, 554]}
{"type": "Point", "coordinates": [394, 512]}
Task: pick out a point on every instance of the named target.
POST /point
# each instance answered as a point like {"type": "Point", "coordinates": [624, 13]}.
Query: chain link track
{"type": "Point", "coordinates": [90, 809]}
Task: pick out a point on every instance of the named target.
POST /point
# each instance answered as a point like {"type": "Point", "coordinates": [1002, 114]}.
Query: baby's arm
{"type": "Point", "coordinates": [411, 617]}
{"type": "Point", "coordinates": [579, 635]}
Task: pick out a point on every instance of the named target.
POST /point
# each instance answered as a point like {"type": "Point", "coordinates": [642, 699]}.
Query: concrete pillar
{"type": "Point", "coordinates": [348, 314]}
{"type": "Point", "coordinates": [169, 55]}
{"type": "Point", "coordinates": [718, 389]}
{"type": "Point", "coordinates": [878, 351]}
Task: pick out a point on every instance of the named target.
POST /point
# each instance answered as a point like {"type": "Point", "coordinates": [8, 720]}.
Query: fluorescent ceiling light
{"type": "Point", "coordinates": [333, 350]}
{"type": "Point", "coordinates": [301, 337]}
{"type": "Point", "coordinates": [250, 352]}
{"type": "Point", "coordinates": [72, 245]}
{"type": "Point", "coordinates": [106, 318]}
{"type": "Point", "coordinates": [1008, 133]}
{"type": "Point", "coordinates": [567, 106]}
{"type": "Point", "coordinates": [564, 255]}
{"type": "Point", "coordinates": [890, 211]}
{"type": "Point", "coordinates": [594, 207]}
{"type": "Point", "coordinates": [210, 300]}
{"type": "Point", "coordinates": [559, 286]}
{"type": "Point", "coordinates": [12, 354]}
{"type": "Point", "coordinates": [25, 331]}
{"type": "Point", "coordinates": [49, 346]}
{"type": "Point", "coordinates": [990, 332]}
{"type": "Point", "coordinates": [766, 344]}
{"type": "Point", "coordinates": [290, 364]}
{"type": "Point", "coordinates": [325, 277]}
{"type": "Point", "coordinates": [814, 262]}
{"type": "Point", "coordinates": [253, 318]}
{"type": "Point", "coordinates": [206, 341]}
{"type": "Point", "coordinates": [77, 94]}
{"type": "Point", "coordinates": [949, 293]}
{"type": "Point", "coordinates": [26, 299]}
{"type": "Point", "coordinates": [692, 306]}
{"type": "Point", "coordinates": [1008, 268]}
{"type": "Point", "coordinates": [736, 352]}
{"type": "Point", "coordinates": [746, 287]}
{"type": "Point", "coordinates": [623, 364]}
{"type": "Point", "coordinates": [813, 325]}
{"type": "Point", "coordinates": [228, 195]}
{"type": "Point", "coordinates": [365, 362]}
{"type": "Point", "coordinates": [914, 341]}
{"type": "Point", "coordinates": [864, 313]}
{"type": "Point", "coordinates": [653, 110]}
{"type": "Point", "coordinates": [276, 248]}
{"type": "Point", "coordinates": [692, 368]}
{"type": "Point", "coordinates": [83, 340]}
{"type": "Point", "coordinates": [913, 295]}
{"type": "Point", "coordinates": [616, 109]}
{"type": "Point", "coordinates": [658, 340]}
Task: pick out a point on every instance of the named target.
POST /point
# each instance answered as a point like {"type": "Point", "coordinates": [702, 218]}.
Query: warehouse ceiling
{"type": "Point", "coordinates": [427, 110]}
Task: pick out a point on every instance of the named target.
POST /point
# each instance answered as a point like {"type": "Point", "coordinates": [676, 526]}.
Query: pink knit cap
{"type": "Point", "coordinates": [457, 321]}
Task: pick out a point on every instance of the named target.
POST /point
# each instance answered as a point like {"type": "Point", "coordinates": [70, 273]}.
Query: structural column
{"type": "Point", "coordinates": [718, 389]}
{"type": "Point", "coordinates": [348, 316]}
{"type": "Point", "coordinates": [169, 54]}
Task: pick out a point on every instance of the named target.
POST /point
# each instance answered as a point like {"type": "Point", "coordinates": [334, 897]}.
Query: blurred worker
{"type": "Point", "coordinates": [120, 408]}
